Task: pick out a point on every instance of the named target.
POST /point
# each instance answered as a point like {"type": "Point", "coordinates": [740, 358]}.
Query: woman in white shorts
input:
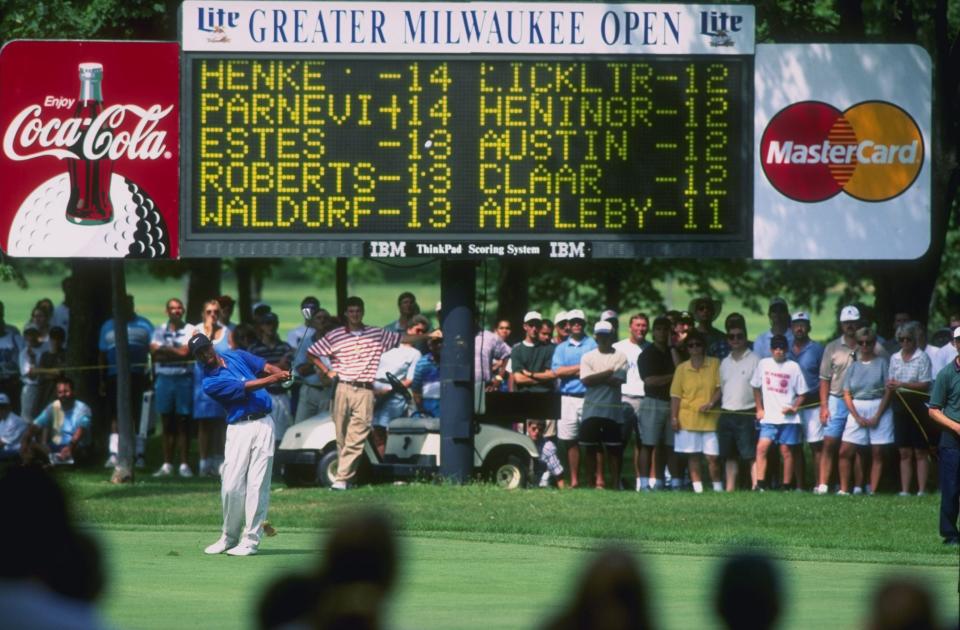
{"type": "Point", "coordinates": [870, 422]}
{"type": "Point", "coordinates": [691, 393]}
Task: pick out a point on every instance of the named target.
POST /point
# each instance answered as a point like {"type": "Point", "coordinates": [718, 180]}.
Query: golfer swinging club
{"type": "Point", "coordinates": [230, 378]}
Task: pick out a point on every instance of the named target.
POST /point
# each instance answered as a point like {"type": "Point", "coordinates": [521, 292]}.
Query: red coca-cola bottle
{"type": "Point", "coordinates": [89, 202]}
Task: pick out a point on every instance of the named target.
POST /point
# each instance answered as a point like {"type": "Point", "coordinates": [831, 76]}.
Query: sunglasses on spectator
{"type": "Point", "coordinates": [864, 342]}
{"type": "Point", "coordinates": [212, 312]}
{"type": "Point", "coordinates": [736, 336]}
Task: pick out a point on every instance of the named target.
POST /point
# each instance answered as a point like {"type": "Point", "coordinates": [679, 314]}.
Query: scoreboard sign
{"type": "Point", "coordinates": [468, 129]}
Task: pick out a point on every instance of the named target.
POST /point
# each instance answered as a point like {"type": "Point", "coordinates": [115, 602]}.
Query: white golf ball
{"type": "Point", "coordinates": [428, 144]}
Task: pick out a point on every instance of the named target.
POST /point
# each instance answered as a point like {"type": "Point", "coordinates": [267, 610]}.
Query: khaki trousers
{"type": "Point", "coordinates": [352, 414]}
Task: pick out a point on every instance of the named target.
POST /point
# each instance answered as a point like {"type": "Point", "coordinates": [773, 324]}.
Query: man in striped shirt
{"type": "Point", "coordinates": [354, 351]}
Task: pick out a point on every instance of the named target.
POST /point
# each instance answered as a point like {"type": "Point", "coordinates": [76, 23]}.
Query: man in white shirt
{"type": "Point", "coordinates": [735, 426]}
{"type": "Point", "coordinates": [603, 372]}
{"type": "Point", "coordinates": [402, 363]}
{"type": "Point", "coordinates": [631, 392]}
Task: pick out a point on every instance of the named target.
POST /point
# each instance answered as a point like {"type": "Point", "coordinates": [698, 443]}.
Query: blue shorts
{"type": "Point", "coordinates": [173, 394]}
{"type": "Point", "coordinates": [431, 407]}
{"type": "Point", "coordinates": [786, 434]}
{"type": "Point", "coordinates": [838, 417]}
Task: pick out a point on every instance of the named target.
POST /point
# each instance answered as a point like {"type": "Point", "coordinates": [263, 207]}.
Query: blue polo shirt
{"type": "Point", "coordinates": [809, 361]}
{"type": "Point", "coordinates": [225, 385]}
{"type": "Point", "coordinates": [569, 353]}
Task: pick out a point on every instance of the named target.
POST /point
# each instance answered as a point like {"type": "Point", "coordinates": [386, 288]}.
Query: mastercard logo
{"type": "Point", "coordinates": [811, 151]}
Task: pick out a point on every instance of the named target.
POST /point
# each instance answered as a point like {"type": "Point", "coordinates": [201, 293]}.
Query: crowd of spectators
{"type": "Point", "coordinates": [703, 407]}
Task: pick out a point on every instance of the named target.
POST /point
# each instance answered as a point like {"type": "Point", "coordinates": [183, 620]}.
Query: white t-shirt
{"type": "Point", "coordinates": [944, 356]}
{"type": "Point", "coordinates": [780, 384]}
{"type": "Point", "coordinates": [400, 361]}
{"type": "Point", "coordinates": [603, 400]}
{"type": "Point", "coordinates": [735, 381]}
{"type": "Point", "coordinates": [634, 384]}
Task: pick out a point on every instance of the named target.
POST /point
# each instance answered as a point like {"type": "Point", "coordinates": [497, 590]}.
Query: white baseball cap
{"type": "Point", "coordinates": [850, 314]}
{"type": "Point", "coordinates": [561, 316]}
{"type": "Point", "coordinates": [603, 328]}
{"type": "Point", "coordinates": [532, 316]}
{"type": "Point", "coordinates": [5, 400]}
{"type": "Point", "coordinates": [576, 314]}
{"type": "Point", "coordinates": [800, 316]}
{"type": "Point", "coordinates": [956, 335]}
{"type": "Point", "coordinates": [608, 314]}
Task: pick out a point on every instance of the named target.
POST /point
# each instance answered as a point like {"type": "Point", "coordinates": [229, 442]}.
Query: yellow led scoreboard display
{"type": "Point", "coordinates": [447, 149]}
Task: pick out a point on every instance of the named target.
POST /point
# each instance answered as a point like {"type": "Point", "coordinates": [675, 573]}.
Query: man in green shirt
{"type": "Point", "coordinates": [945, 411]}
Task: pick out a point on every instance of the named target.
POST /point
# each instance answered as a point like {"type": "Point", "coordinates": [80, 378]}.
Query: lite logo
{"type": "Point", "coordinates": [719, 23]}
{"type": "Point", "coordinates": [210, 20]}
{"type": "Point", "coordinates": [388, 249]}
{"type": "Point", "coordinates": [873, 151]}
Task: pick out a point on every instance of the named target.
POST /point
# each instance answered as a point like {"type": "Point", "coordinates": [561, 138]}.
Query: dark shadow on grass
{"type": "Point", "coordinates": [286, 552]}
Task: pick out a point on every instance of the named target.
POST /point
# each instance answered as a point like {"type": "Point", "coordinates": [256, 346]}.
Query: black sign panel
{"type": "Point", "coordinates": [636, 155]}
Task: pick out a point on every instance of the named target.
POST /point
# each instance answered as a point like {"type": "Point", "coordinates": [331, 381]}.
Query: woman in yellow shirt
{"type": "Point", "coordinates": [695, 427]}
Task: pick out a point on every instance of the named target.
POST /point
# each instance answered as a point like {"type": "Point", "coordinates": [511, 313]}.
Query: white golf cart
{"type": "Point", "coordinates": [308, 451]}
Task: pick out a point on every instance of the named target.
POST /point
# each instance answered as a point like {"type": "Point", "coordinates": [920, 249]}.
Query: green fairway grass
{"type": "Point", "coordinates": [160, 579]}
{"type": "Point", "coordinates": [478, 557]}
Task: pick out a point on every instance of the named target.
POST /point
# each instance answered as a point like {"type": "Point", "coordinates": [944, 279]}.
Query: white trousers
{"type": "Point", "coordinates": [248, 466]}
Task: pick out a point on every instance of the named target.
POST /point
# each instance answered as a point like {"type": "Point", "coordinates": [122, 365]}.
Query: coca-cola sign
{"type": "Point", "coordinates": [89, 163]}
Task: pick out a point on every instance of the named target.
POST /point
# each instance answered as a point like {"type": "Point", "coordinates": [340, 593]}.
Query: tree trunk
{"type": "Point", "coordinates": [513, 288]}
{"type": "Point", "coordinates": [89, 308]}
{"type": "Point", "coordinates": [204, 284]}
{"type": "Point", "coordinates": [341, 285]}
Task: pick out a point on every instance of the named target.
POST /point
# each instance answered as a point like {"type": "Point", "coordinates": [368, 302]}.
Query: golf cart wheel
{"type": "Point", "coordinates": [327, 468]}
{"type": "Point", "coordinates": [510, 473]}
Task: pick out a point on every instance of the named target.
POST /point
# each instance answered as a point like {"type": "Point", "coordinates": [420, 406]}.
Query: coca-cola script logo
{"type": "Point", "coordinates": [89, 149]}
{"type": "Point", "coordinates": [97, 138]}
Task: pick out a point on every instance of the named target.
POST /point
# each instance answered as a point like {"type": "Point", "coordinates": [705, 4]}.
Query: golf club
{"type": "Point", "coordinates": [308, 312]}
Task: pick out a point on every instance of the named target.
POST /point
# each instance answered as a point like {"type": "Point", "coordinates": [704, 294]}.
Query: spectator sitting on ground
{"type": "Point", "coordinates": [62, 430]}
{"type": "Point", "coordinates": [426, 380]}
{"type": "Point", "coordinates": [550, 464]}
{"type": "Point", "coordinates": [52, 575]}
{"type": "Point", "coordinates": [749, 594]}
{"type": "Point", "coordinates": [603, 371]}
{"type": "Point", "coordinates": [12, 428]}
{"type": "Point", "coordinates": [612, 595]}
{"type": "Point", "coordinates": [402, 363]}
{"type": "Point", "coordinates": [51, 365]}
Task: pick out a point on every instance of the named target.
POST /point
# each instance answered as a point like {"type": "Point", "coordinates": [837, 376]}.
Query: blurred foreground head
{"type": "Point", "coordinates": [46, 547]}
{"type": "Point", "coordinates": [749, 592]}
{"type": "Point", "coordinates": [902, 604]}
{"type": "Point", "coordinates": [611, 595]}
